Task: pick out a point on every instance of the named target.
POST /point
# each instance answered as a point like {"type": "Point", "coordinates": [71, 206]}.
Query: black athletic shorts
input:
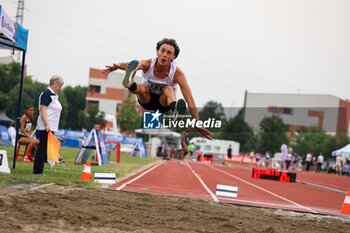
{"type": "Point", "coordinates": [154, 104]}
{"type": "Point", "coordinates": [20, 136]}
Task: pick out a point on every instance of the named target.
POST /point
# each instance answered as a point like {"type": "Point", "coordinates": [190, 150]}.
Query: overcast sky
{"type": "Point", "coordinates": [227, 46]}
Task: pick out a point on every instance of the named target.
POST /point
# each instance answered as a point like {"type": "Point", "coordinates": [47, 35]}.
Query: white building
{"type": "Point", "coordinates": [107, 92]}
{"type": "Point", "coordinates": [326, 112]}
{"type": "Point", "coordinates": [215, 147]}
{"type": "Point", "coordinates": [6, 60]}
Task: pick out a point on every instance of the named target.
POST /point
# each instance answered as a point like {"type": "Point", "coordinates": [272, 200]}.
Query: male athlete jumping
{"type": "Point", "coordinates": [161, 76]}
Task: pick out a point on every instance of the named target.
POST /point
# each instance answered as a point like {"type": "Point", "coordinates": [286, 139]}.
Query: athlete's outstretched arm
{"type": "Point", "coordinates": [186, 92]}
{"type": "Point", "coordinates": [143, 65]}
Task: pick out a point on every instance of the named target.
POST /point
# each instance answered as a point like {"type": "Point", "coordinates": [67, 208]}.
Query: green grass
{"type": "Point", "coordinates": [70, 173]}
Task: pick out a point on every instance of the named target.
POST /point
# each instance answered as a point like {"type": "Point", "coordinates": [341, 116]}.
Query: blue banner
{"type": "Point", "coordinates": [21, 36]}
{"type": "Point", "coordinates": [13, 30]}
{"type": "Point", "coordinates": [104, 155]}
{"type": "Point", "coordinates": [76, 143]}
{"type": "Point", "coordinates": [139, 148]}
{"type": "Point", "coordinates": [72, 134]}
{"type": "Point", "coordinates": [4, 136]}
{"type": "Point", "coordinates": [123, 139]}
{"type": "Point", "coordinates": [75, 138]}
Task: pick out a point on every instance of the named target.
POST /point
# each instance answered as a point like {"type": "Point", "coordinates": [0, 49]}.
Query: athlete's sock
{"type": "Point", "coordinates": [172, 105]}
{"type": "Point", "coordinates": [133, 87]}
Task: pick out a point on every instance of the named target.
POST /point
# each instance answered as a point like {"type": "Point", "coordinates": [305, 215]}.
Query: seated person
{"type": "Point", "coordinates": [25, 132]}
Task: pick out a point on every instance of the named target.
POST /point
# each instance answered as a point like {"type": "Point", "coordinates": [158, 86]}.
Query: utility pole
{"type": "Point", "coordinates": [20, 10]}
{"type": "Point", "coordinates": [19, 19]}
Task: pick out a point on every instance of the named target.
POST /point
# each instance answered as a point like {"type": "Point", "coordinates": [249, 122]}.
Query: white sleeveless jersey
{"type": "Point", "coordinates": [156, 85]}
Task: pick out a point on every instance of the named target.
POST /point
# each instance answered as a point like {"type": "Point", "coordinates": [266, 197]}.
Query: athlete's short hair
{"type": "Point", "coordinates": [56, 79]}
{"type": "Point", "coordinates": [171, 42]}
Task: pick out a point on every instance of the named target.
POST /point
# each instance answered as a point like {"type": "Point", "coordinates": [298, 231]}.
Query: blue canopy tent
{"type": "Point", "coordinates": [14, 37]}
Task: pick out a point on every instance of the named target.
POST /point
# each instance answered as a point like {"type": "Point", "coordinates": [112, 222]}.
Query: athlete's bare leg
{"type": "Point", "coordinates": [168, 96]}
{"type": "Point", "coordinates": [142, 92]}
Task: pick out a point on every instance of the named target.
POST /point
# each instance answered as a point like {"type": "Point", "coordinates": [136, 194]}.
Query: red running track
{"type": "Point", "coordinates": [313, 192]}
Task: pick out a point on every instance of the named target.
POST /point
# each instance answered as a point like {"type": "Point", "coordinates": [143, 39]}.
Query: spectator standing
{"type": "Point", "coordinates": [314, 163]}
{"type": "Point", "coordinates": [338, 165]}
{"type": "Point", "coordinates": [49, 117]}
{"type": "Point", "coordinates": [12, 132]}
{"type": "Point", "coordinates": [308, 161]}
{"type": "Point", "coordinates": [303, 162]}
{"type": "Point", "coordinates": [284, 152]}
{"type": "Point", "coordinates": [258, 159]}
{"type": "Point", "coordinates": [295, 162]}
{"type": "Point", "coordinates": [252, 154]}
{"type": "Point", "coordinates": [320, 159]}
{"type": "Point", "coordinates": [288, 160]}
{"type": "Point", "coordinates": [229, 152]}
{"type": "Point", "coordinates": [267, 159]}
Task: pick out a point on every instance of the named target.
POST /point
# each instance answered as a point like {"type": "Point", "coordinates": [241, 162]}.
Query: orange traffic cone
{"type": "Point", "coordinates": [87, 172]}
{"type": "Point", "coordinates": [346, 205]}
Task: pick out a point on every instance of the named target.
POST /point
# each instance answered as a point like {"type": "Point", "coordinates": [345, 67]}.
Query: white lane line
{"type": "Point", "coordinates": [321, 187]}
{"type": "Point", "coordinates": [139, 176]}
{"type": "Point", "coordinates": [265, 190]}
{"type": "Point", "coordinates": [202, 182]}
